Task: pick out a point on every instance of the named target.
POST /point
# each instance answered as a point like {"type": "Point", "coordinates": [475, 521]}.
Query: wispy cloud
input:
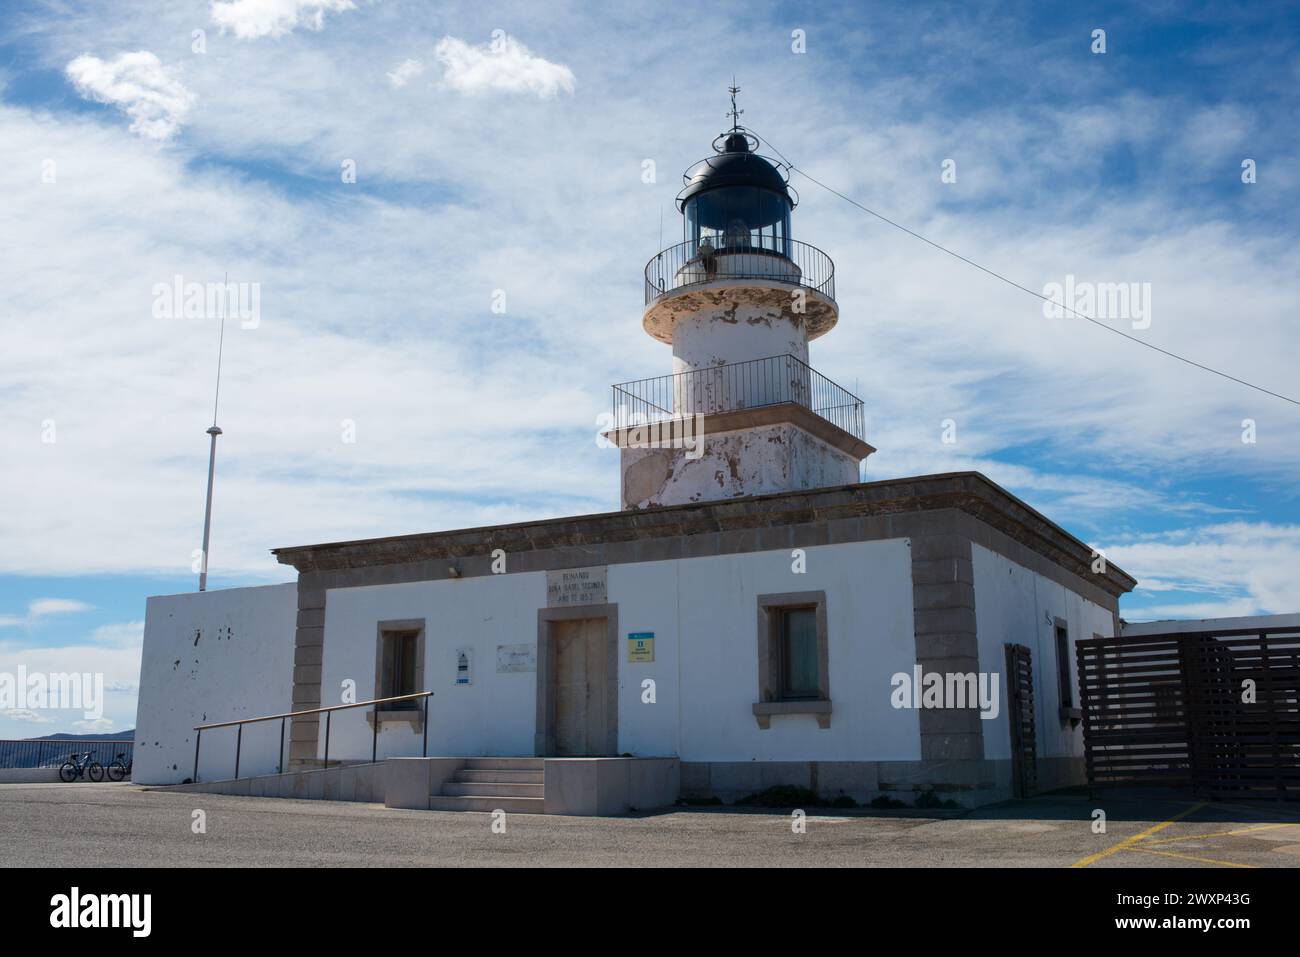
{"type": "Point", "coordinates": [404, 72]}
{"type": "Point", "coordinates": [44, 607]}
{"type": "Point", "coordinates": [137, 84]}
{"type": "Point", "coordinates": [95, 725]}
{"type": "Point", "coordinates": [41, 608]}
{"type": "Point", "coordinates": [1221, 570]}
{"type": "Point", "coordinates": [501, 65]}
{"type": "Point", "coordinates": [119, 664]}
{"type": "Point", "coordinates": [376, 305]}
{"type": "Point", "coordinates": [126, 634]}
{"type": "Point", "coordinates": [251, 19]}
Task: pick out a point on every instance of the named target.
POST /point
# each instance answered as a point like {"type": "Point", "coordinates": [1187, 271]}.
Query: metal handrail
{"type": "Point", "coordinates": [752, 384]}
{"type": "Point", "coordinates": [328, 712]}
{"type": "Point", "coordinates": [775, 259]}
{"type": "Point", "coordinates": [14, 750]}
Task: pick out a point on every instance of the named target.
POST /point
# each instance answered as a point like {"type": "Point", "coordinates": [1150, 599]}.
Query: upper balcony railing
{"type": "Point", "coordinates": [736, 386]}
{"type": "Point", "coordinates": [776, 260]}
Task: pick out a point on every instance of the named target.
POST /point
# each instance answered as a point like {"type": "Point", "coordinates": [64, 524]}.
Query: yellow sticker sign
{"type": "Point", "coordinates": [641, 646]}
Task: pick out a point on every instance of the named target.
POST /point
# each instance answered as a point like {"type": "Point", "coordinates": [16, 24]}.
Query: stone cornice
{"type": "Point", "coordinates": [714, 423]}
{"type": "Point", "coordinates": [969, 492]}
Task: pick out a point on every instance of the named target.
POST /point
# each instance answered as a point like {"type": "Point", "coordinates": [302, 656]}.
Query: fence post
{"type": "Point", "coordinates": [198, 736]}
{"type": "Point", "coordinates": [239, 743]}
{"type": "Point", "coordinates": [424, 752]}
{"type": "Point", "coordinates": [328, 715]}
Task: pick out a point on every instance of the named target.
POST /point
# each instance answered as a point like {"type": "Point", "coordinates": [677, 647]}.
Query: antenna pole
{"type": "Point", "coordinates": [735, 113]}
{"type": "Point", "coordinates": [214, 431]}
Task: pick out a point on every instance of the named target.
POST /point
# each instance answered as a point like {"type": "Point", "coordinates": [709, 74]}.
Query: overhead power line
{"type": "Point", "coordinates": [1011, 282]}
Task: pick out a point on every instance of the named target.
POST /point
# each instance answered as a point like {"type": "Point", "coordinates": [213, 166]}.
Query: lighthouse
{"type": "Point", "coordinates": [739, 299]}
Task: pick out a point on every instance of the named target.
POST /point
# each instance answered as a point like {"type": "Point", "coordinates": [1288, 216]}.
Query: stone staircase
{"type": "Point", "coordinates": [490, 784]}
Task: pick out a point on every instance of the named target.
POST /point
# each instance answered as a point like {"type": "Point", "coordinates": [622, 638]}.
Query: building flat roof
{"type": "Point", "coordinates": [1184, 626]}
{"type": "Point", "coordinates": [739, 520]}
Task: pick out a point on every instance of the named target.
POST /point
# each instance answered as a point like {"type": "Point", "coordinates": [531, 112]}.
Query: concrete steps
{"type": "Point", "coordinates": [440, 802]}
{"type": "Point", "coordinates": [504, 764]}
{"type": "Point", "coordinates": [490, 788]}
{"type": "Point", "coordinates": [514, 785]}
{"type": "Point", "coordinates": [501, 777]}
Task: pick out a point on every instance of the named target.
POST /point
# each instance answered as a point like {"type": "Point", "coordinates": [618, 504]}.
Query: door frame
{"type": "Point", "coordinates": [547, 619]}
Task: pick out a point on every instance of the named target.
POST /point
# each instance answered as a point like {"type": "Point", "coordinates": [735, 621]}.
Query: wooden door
{"type": "Point", "coordinates": [580, 687]}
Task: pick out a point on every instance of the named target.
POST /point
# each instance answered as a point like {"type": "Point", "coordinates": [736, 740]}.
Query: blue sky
{"type": "Point", "coordinates": [516, 165]}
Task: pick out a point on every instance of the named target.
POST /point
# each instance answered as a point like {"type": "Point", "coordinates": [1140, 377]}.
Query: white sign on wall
{"type": "Point", "coordinates": [576, 586]}
{"type": "Point", "coordinates": [464, 666]}
{"type": "Point", "coordinates": [512, 659]}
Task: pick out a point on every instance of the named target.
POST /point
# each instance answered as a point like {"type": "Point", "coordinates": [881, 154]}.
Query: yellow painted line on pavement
{"type": "Point", "coordinates": [1130, 841]}
{"type": "Point", "coordinates": [1187, 857]}
{"type": "Point", "coordinates": [1240, 830]}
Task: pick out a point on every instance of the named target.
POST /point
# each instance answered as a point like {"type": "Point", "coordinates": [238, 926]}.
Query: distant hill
{"type": "Point", "coordinates": [67, 736]}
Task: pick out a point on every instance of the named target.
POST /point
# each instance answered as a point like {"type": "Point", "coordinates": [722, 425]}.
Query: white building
{"type": "Point", "coordinates": [745, 621]}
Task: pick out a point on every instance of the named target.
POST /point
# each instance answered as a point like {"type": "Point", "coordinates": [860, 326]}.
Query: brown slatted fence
{"type": "Point", "coordinates": [1218, 713]}
{"type": "Point", "coordinates": [1024, 742]}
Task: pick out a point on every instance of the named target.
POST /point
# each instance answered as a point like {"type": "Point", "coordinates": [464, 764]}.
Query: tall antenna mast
{"type": "Point", "coordinates": [735, 113]}
{"type": "Point", "coordinates": [214, 431]}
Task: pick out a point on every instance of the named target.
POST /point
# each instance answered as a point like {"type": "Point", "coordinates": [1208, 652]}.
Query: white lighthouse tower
{"type": "Point", "coordinates": [743, 412]}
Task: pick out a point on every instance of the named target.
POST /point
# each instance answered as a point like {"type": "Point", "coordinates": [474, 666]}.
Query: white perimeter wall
{"type": "Point", "coordinates": [1014, 605]}
{"type": "Point", "coordinates": [213, 656]}
{"type": "Point", "coordinates": [703, 612]}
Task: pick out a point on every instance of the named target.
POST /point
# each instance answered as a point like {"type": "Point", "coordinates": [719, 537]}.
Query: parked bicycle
{"type": "Point", "coordinates": [120, 769]}
{"type": "Point", "coordinates": [80, 766]}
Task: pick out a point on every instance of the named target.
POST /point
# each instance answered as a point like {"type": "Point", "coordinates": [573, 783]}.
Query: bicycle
{"type": "Point", "coordinates": [80, 766]}
{"type": "Point", "coordinates": [120, 769]}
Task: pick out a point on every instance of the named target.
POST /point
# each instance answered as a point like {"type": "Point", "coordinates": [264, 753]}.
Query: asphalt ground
{"type": "Point", "coordinates": [124, 825]}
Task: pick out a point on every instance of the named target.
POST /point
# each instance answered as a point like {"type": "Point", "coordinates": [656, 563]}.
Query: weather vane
{"type": "Point", "coordinates": [735, 113]}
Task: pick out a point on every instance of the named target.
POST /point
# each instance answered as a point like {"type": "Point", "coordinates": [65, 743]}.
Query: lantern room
{"type": "Point", "coordinates": [737, 200]}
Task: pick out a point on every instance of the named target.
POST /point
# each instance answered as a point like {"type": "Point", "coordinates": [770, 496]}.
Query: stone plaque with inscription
{"type": "Point", "coordinates": [576, 586]}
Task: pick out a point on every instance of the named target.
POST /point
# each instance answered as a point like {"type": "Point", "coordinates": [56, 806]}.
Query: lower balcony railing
{"type": "Point", "coordinates": [740, 385]}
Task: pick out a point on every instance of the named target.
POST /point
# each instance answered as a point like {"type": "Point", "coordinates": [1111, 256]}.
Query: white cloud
{"type": "Point", "coordinates": [127, 634]}
{"type": "Point", "coordinates": [1227, 569]}
{"type": "Point", "coordinates": [375, 309]}
{"type": "Point", "coordinates": [118, 663]}
{"type": "Point", "coordinates": [43, 607]}
{"type": "Point", "coordinates": [502, 65]}
{"type": "Point", "coordinates": [94, 726]}
{"type": "Point", "coordinates": [138, 85]}
{"type": "Point", "coordinates": [250, 19]}
{"type": "Point", "coordinates": [404, 72]}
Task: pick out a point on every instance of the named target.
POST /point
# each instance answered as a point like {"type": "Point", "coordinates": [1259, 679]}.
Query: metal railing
{"type": "Point", "coordinates": [328, 712]}
{"type": "Point", "coordinates": [738, 385]}
{"type": "Point", "coordinates": [24, 754]}
{"type": "Point", "coordinates": [782, 260]}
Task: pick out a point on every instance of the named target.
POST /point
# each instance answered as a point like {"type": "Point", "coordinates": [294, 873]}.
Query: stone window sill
{"type": "Point", "coordinates": [764, 710]}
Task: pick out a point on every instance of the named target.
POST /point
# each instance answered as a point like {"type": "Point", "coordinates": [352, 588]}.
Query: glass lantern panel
{"type": "Point", "coordinates": [739, 217]}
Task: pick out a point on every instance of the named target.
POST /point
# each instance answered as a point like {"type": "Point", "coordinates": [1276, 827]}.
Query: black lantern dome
{"type": "Point", "coordinates": [737, 199]}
